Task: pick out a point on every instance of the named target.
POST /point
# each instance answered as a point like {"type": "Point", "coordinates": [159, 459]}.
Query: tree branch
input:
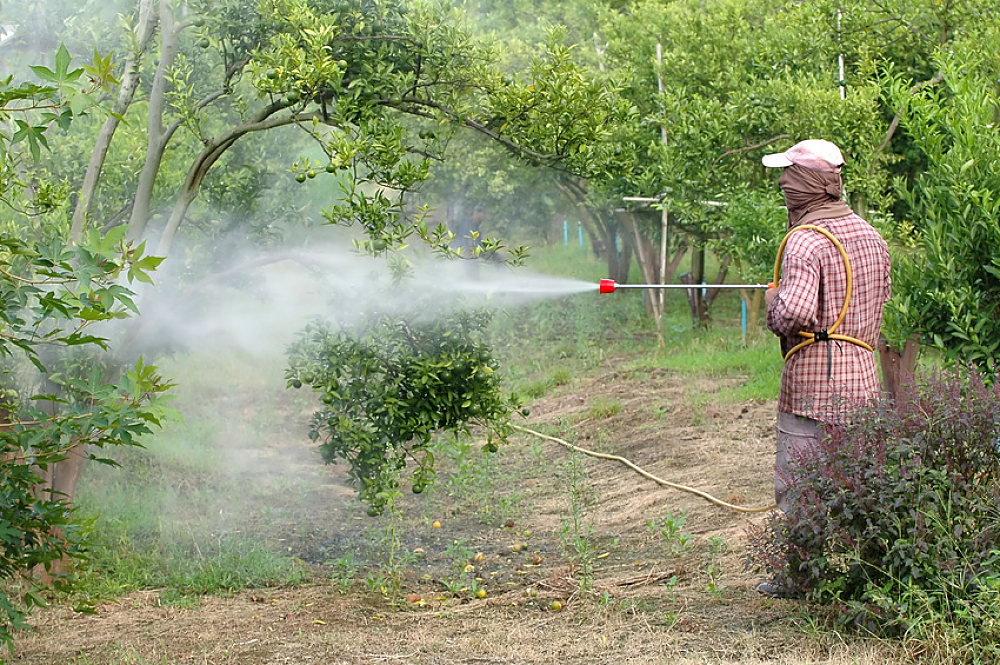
{"type": "Point", "coordinates": [748, 148]}
{"type": "Point", "coordinates": [526, 153]}
{"type": "Point", "coordinates": [894, 125]}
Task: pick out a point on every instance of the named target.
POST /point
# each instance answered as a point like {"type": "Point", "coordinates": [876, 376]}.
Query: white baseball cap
{"type": "Point", "coordinates": [815, 154]}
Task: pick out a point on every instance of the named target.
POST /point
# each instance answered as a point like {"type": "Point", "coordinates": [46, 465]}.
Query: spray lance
{"type": "Point", "coordinates": [609, 286]}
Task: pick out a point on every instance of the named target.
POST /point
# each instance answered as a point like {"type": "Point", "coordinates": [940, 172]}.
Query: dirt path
{"type": "Point", "coordinates": [539, 526]}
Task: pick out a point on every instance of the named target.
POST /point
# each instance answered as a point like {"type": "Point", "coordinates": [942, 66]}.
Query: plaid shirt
{"type": "Point", "coordinates": [824, 376]}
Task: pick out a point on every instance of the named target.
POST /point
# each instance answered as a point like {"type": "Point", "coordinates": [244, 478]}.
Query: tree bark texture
{"type": "Point", "coordinates": [145, 29]}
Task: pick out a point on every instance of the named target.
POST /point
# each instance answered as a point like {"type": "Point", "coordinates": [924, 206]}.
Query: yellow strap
{"type": "Point", "coordinates": [810, 338]}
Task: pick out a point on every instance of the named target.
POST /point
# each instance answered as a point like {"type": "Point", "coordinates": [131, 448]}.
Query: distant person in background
{"type": "Point", "coordinates": [468, 238]}
{"type": "Point", "coordinates": [466, 230]}
{"type": "Point", "coordinates": [821, 380]}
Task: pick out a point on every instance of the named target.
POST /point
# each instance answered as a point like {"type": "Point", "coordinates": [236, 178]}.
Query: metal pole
{"type": "Point", "coordinates": [840, 61]}
{"type": "Point", "coordinates": [664, 229]}
{"type": "Point", "coordinates": [703, 287]}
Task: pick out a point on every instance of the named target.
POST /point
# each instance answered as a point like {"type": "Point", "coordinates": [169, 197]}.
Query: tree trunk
{"type": "Point", "coordinates": [126, 92]}
{"type": "Point", "coordinates": [696, 299]}
{"type": "Point", "coordinates": [648, 262]}
{"type": "Point", "coordinates": [898, 367]}
{"type": "Point", "coordinates": [58, 481]}
{"type": "Point", "coordinates": [214, 150]}
{"type": "Point", "coordinates": [157, 134]}
{"type": "Point", "coordinates": [675, 262]}
{"type": "Point", "coordinates": [753, 304]}
{"type": "Point", "coordinates": [712, 294]}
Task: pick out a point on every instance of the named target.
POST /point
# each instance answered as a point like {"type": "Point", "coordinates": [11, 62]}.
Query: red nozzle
{"type": "Point", "coordinates": [607, 286]}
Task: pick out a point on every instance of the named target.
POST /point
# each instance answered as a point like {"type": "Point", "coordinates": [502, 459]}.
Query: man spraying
{"type": "Point", "coordinates": [837, 257]}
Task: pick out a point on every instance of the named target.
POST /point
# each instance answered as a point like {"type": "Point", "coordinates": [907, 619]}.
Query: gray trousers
{"type": "Point", "coordinates": [794, 434]}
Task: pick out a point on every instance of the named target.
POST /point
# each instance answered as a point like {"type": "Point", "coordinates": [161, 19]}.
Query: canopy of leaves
{"type": "Point", "coordinates": [389, 386]}
{"type": "Point", "coordinates": [947, 285]}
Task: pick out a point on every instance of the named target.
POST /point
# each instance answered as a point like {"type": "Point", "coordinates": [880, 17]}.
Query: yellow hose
{"type": "Point", "coordinates": [810, 338]}
{"type": "Point", "coordinates": [646, 474]}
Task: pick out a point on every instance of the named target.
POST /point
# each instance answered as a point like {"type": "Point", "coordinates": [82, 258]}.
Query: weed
{"type": "Point", "coordinates": [394, 559]}
{"type": "Point", "coordinates": [345, 571]}
{"type": "Point", "coordinates": [463, 578]}
{"type": "Point", "coordinates": [377, 582]}
{"type": "Point", "coordinates": [577, 533]}
{"type": "Point", "coordinates": [602, 407]}
{"type": "Point", "coordinates": [535, 389]}
{"type": "Point", "coordinates": [473, 478]}
{"type": "Point", "coordinates": [454, 586]}
{"type": "Point", "coordinates": [713, 563]}
{"type": "Point", "coordinates": [669, 527]}
{"type": "Point", "coordinates": [459, 554]}
{"type": "Point", "coordinates": [562, 376]}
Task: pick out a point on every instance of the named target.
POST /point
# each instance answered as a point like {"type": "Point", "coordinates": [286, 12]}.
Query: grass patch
{"type": "Point", "coordinates": [717, 353]}
{"type": "Point", "coordinates": [185, 570]}
{"type": "Point", "coordinates": [601, 407]}
{"type": "Point", "coordinates": [178, 514]}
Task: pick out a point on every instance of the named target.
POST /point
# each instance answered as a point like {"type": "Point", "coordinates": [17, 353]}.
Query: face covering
{"type": "Point", "coordinates": [811, 195]}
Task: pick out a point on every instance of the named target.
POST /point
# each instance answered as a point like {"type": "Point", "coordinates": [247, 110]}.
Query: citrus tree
{"type": "Point", "coordinates": [378, 88]}
{"type": "Point", "coordinates": [946, 282]}
{"type": "Point", "coordinates": [388, 387]}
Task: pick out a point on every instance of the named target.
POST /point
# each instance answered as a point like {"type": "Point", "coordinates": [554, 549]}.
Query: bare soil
{"type": "Point", "coordinates": [625, 597]}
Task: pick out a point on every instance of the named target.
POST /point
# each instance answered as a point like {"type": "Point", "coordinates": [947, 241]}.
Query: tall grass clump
{"type": "Point", "coordinates": [896, 518]}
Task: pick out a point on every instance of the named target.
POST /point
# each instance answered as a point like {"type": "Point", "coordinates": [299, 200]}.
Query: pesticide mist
{"type": "Point", "coordinates": [258, 301]}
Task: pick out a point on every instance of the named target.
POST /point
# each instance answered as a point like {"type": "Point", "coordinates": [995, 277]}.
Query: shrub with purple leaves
{"type": "Point", "coordinates": [896, 516]}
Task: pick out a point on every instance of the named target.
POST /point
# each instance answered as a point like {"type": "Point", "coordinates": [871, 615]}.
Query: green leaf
{"type": "Point", "coordinates": [45, 73]}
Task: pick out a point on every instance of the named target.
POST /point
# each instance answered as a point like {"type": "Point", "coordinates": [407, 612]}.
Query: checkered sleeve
{"type": "Point", "coordinates": [795, 306]}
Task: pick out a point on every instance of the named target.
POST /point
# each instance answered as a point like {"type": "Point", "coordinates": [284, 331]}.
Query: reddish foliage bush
{"type": "Point", "coordinates": [904, 495]}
